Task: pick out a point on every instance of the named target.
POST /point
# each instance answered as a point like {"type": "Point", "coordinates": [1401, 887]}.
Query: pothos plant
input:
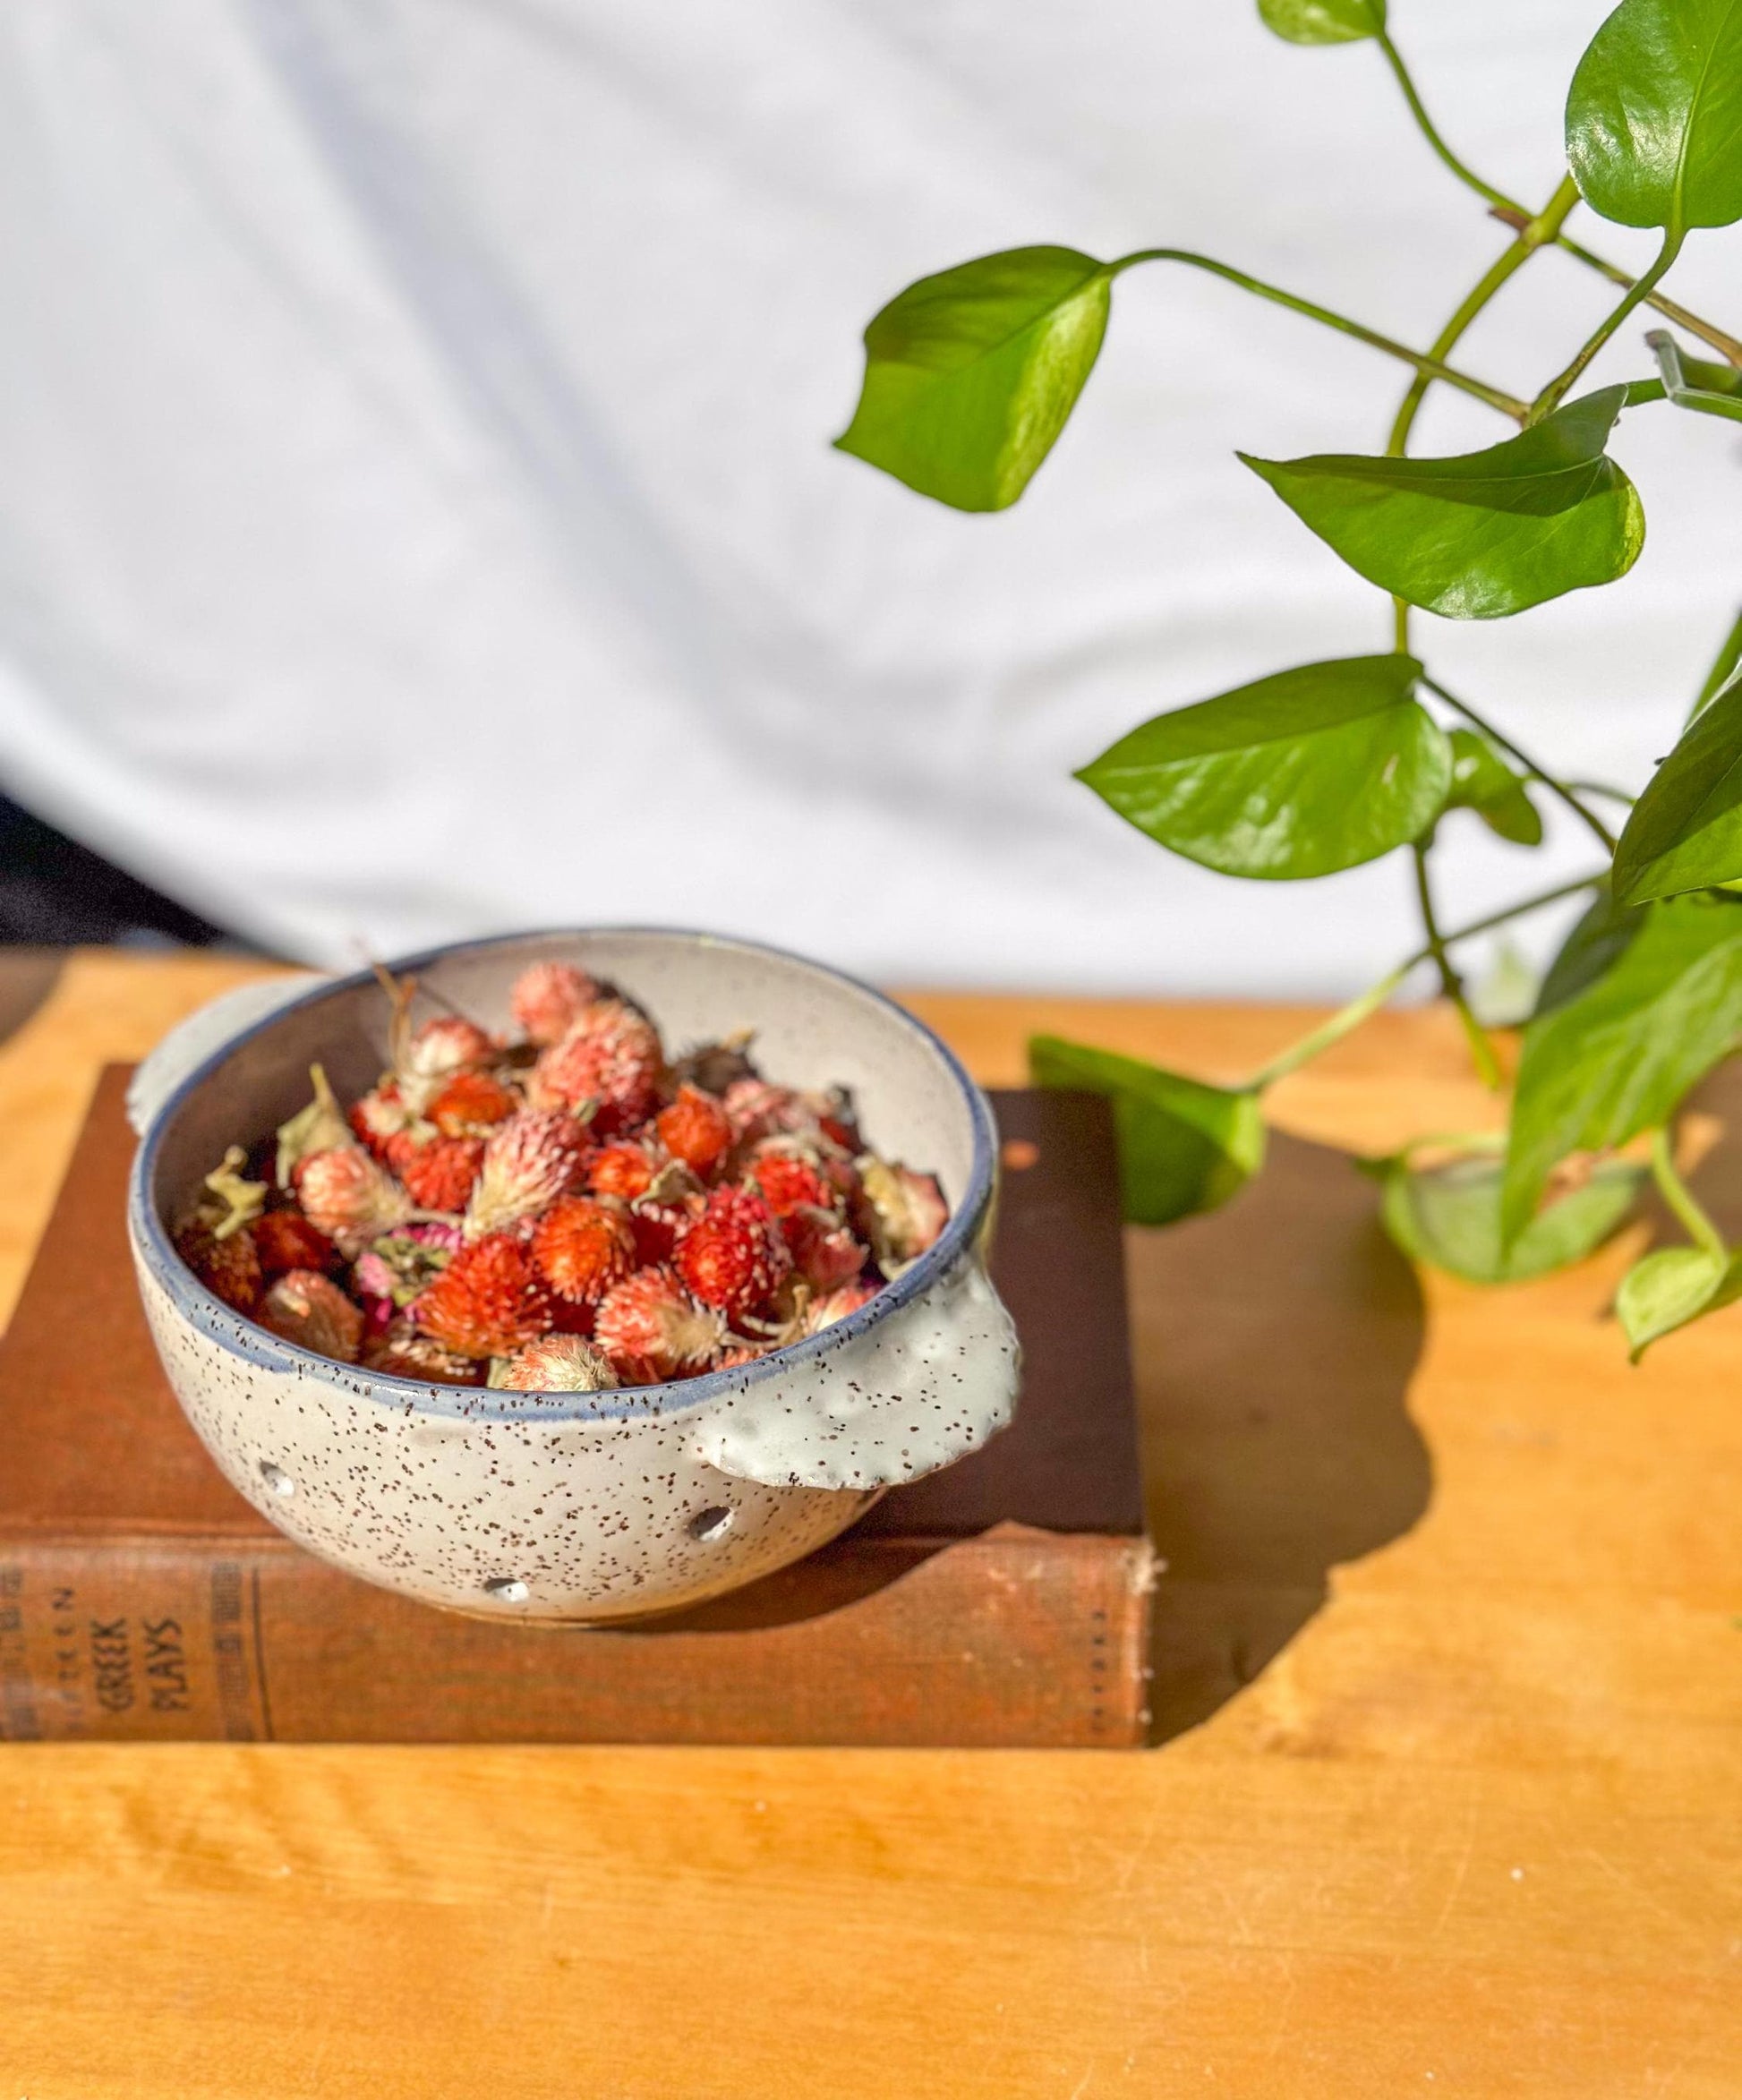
{"type": "Point", "coordinates": [970, 375]}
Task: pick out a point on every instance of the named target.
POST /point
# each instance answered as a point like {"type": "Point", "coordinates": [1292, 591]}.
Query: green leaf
{"type": "Point", "coordinates": [1670, 1288]}
{"type": "Point", "coordinates": [1299, 775]}
{"type": "Point", "coordinates": [1594, 946]}
{"type": "Point", "coordinates": [320, 1127]}
{"type": "Point", "coordinates": [1184, 1146]}
{"type": "Point", "coordinates": [1482, 781]}
{"type": "Point", "coordinates": [1616, 1056]}
{"type": "Point", "coordinates": [971, 374]}
{"type": "Point", "coordinates": [1684, 832]}
{"type": "Point", "coordinates": [1449, 1216]}
{"type": "Point", "coordinates": [1726, 660]}
{"type": "Point", "coordinates": [1654, 115]}
{"type": "Point", "coordinates": [1690, 382]}
{"type": "Point", "coordinates": [1323, 21]}
{"type": "Point", "coordinates": [1483, 534]}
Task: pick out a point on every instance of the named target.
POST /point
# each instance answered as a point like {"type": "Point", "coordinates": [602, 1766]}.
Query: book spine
{"type": "Point", "coordinates": [1015, 1638]}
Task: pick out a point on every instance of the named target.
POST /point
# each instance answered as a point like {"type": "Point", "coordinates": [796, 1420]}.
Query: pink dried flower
{"type": "Point", "coordinates": [612, 1057]}
{"type": "Point", "coordinates": [558, 1363]}
{"type": "Point", "coordinates": [652, 1329]}
{"type": "Point", "coordinates": [547, 999]}
{"type": "Point", "coordinates": [908, 1210]}
{"type": "Point", "coordinates": [346, 1195]}
{"type": "Point", "coordinates": [534, 1158]}
{"type": "Point", "coordinates": [403, 1351]}
{"type": "Point", "coordinates": [309, 1309]}
{"type": "Point", "coordinates": [824, 1250]}
{"type": "Point", "coordinates": [824, 1313]}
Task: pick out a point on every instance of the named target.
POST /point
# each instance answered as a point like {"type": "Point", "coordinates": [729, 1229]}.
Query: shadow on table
{"type": "Point", "coordinates": [1274, 1340]}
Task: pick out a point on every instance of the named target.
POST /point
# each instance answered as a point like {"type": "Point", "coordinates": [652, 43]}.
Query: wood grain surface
{"type": "Point", "coordinates": [1450, 1672]}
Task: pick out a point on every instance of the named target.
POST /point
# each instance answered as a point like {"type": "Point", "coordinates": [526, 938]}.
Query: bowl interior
{"type": "Point", "coordinates": [812, 1029]}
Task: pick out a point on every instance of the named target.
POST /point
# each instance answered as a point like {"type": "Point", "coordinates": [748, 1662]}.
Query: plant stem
{"type": "Point", "coordinates": [1467, 176]}
{"type": "Point", "coordinates": [1557, 389]}
{"type": "Point", "coordinates": [1708, 332]}
{"type": "Point", "coordinates": [1481, 1049]}
{"type": "Point", "coordinates": [1507, 404]}
{"type": "Point", "coordinates": [1343, 1023]}
{"type": "Point", "coordinates": [1587, 816]}
{"type": "Point", "coordinates": [1680, 1198]}
{"type": "Point", "coordinates": [1513, 214]}
{"type": "Point", "coordinates": [1531, 236]}
{"type": "Point", "coordinates": [1512, 911]}
{"type": "Point", "coordinates": [1347, 1019]}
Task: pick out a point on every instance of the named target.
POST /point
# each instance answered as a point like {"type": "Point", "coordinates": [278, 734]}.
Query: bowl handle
{"type": "Point", "coordinates": [919, 1388]}
{"type": "Point", "coordinates": [208, 1028]}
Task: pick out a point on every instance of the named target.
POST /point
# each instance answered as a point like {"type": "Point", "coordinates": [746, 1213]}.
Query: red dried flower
{"type": "Point", "coordinates": [651, 1328]}
{"type": "Point", "coordinates": [582, 1248]}
{"type": "Point", "coordinates": [471, 1104]}
{"type": "Point", "coordinates": [439, 1175]}
{"type": "Point", "coordinates": [733, 1256]}
{"type": "Point", "coordinates": [285, 1239]}
{"type": "Point", "coordinates": [229, 1268]}
{"type": "Point", "coordinates": [309, 1309]}
{"type": "Point", "coordinates": [788, 1182]}
{"type": "Point", "coordinates": [695, 1129]}
{"type": "Point", "coordinates": [625, 1170]}
{"type": "Point", "coordinates": [489, 1300]}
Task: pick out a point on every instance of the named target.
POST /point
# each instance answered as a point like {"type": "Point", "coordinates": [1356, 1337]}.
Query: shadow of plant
{"type": "Point", "coordinates": [1274, 1342]}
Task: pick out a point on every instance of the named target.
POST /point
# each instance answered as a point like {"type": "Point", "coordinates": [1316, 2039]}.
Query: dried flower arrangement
{"type": "Point", "coordinates": [564, 1209]}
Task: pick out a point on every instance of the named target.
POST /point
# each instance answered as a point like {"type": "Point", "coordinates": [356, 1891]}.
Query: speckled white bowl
{"type": "Point", "coordinates": [583, 1506]}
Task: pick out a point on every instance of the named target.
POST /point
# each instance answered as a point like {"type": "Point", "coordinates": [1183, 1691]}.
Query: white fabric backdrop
{"type": "Point", "coordinates": [416, 514]}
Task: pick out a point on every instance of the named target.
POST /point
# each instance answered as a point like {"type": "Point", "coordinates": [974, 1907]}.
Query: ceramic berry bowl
{"type": "Point", "coordinates": [572, 1506]}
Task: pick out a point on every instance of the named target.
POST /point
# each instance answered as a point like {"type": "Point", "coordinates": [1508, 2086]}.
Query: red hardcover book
{"type": "Point", "coordinates": [1003, 1601]}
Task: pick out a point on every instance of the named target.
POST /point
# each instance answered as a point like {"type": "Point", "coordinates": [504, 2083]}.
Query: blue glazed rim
{"type": "Point", "coordinates": [211, 1317]}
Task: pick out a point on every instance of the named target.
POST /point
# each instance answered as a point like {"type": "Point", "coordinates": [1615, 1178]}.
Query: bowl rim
{"type": "Point", "coordinates": [242, 1337]}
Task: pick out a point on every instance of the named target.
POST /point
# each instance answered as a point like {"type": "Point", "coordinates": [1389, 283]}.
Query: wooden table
{"type": "Point", "coordinates": [1450, 1663]}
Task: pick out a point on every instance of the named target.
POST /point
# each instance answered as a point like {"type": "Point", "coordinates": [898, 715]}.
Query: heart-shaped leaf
{"type": "Point", "coordinates": [1684, 832]}
{"type": "Point", "coordinates": [1691, 382]}
{"type": "Point", "coordinates": [1184, 1146]}
{"type": "Point", "coordinates": [1616, 1056]}
{"type": "Point", "coordinates": [1449, 1216]}
{"type": "Point", "coordinates": [969, 375]}
{"type": "Point", "coordinates": [1482, 781]}
{"type": "Point", "coordinates": [1654, 115]}
{"type": "Point", "coordinates": [1323, 21]}
{"type": "Point", "coordinates": [1483, 534]}
{"type": "Point", "coordinates": [1670, 1288]}
{"type": "Point", "coordinates": [1300, 774]}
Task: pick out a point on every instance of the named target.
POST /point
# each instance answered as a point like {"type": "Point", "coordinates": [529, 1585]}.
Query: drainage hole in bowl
{"type": "Point", "coordinates": [276, 1479]}
{"type": "Point", "coordinates": [711, 1524]}
{"type": "Point", "coordinates": [506, 1590]}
